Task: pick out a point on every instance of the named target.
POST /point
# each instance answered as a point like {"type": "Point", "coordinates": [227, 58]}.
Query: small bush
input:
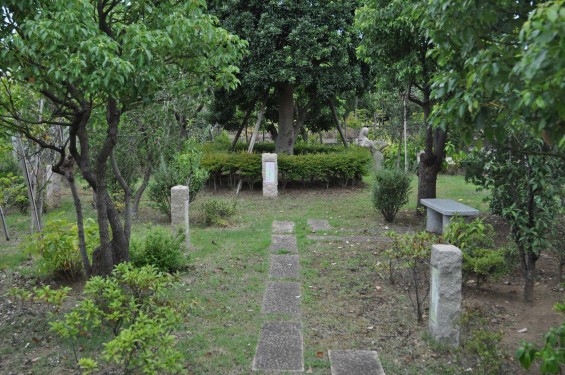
{"type": "Point", "coordinates": [58, 247]}
{"type": "Point", "coordinates": [132, 307]}
{"type": "Point", "coordinates": [476, 242]}
{"type": "Point", "coordinates": [390, 192]}
{"type": "Point", "coordinates": [183, 169]}
{"type": "Point", "coordinates": [218, 212]}
{"type": "Point", "coordinates": [13, 192]}
{"type": "Point", "coordinates": [160, 249]}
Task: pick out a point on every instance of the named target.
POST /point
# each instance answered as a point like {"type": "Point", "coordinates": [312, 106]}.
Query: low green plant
{"type": "Point", "coordinates": [132, 306]}
{"type": "Point", "coordinates": [160, 248]}
{"type": "Point", "coordinates": [391, 188]}
{"type": "Point", "coordinates": [58, 247]}
{"type": "Point", "coordinates": [218, 212]}
{"type": "Point", "coordinates": [481, 345]}
{"type": "Point", "coordinates": [13, 192]}
{"type": "Point", "coordinates": [183, 169]}
{"type": "Point", "coordinates": [407, 261]}
{"type": "Point", "coordinates": [45, 294]}
{"type": "Point", "coordinates": [476, 241]}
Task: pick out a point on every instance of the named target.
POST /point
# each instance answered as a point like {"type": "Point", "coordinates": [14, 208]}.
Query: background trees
{"type": "Point", "coordinates": [102, 59]}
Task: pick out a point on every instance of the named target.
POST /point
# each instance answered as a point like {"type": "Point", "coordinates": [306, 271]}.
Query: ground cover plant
{"type": "Point", "coordinates": [344, 299]}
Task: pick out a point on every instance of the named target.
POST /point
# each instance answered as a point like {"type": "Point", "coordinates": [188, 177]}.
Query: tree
{"type": "Point", "coordinates": [397, 47]}
{"type": "Point", "coordinates": [103, 58]}
{"type": "Point", "coordinates": [304, 50]}
{"type": "Point", "coordinates": [501, 78]}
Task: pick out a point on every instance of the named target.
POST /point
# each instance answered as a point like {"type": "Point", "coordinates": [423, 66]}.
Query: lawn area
{"type": "Point", "coordinates": [345, 303]}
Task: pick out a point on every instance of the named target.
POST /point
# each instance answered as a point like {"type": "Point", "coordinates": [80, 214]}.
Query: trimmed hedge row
{"type": "Point", "coordinates": [299, 148]}
{"type": "Point", "coordinates": [329, 169]}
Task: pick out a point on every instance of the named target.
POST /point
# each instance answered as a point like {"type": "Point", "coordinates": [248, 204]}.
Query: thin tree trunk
{"type": "Point", "coordinates": [405, 107]}
{"type": "Point", "coordinates": [80, 224]}
{"type": "Point", "coordinates": [243, 125]}
{"type": "Point", "coordinates": [4, 224]}
{"type": "Point", "coordinates": [141, 190]}
{"type": "Point", "coordinates": [336, 119]}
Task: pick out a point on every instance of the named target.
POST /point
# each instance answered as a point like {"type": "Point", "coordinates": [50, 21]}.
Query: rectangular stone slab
{"type": "Point", "coordinates": [283, 227]}
{"type": "Point", "coordinates": [355, 362]}
{"type": "Point", "coordinates": [282, 298]}
{"type": "Point", "coordinates": [319, 225]}
{"type": "Point", "coordinates": [449, 207]}
{"type": "Point", "coordinates": [283, 242]}
{"type": "Point", "coordinates": [284, 266]}
{"type": "Point", "coordinates": [280, 348]}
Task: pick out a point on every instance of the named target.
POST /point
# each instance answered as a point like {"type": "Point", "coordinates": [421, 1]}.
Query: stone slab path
{"type": "Point", "coordinates": [281, 345]}
{"type": "Point", "coordinates": [355, 362]}
{"type": "Point", "coordinates": [284, 267]}
{"type": "Point", "coordinates": [319, 225]}
{"type": "Point", "coordinates": [282, 298]}
{"type": "Point", "coordinates": [280, 348]}
{"type": "Point", "coordinates": [283, 242]}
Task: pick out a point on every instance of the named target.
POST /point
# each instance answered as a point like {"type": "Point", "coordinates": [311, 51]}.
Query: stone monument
{"type": "Point", "coordinates": [270, 175]}
{"type": "Point", "coordinates": [53, 189]}
{"type": "Point", "coordinates": [180, 203]}
{"type": "Point", "coordinates": [445, 294]}
{"type": "Point", "coordinates": [375, 146]}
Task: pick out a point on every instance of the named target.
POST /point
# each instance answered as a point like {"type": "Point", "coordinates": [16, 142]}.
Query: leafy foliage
{"type": "Point", "coordinates": [335, 168]}
{"type": "Point", "coordinates": [476, 242]}
{"type": "Point", "coordinates": [160, 249]}
{"type": "Point", "coordinates": [183, 169]}
{"type": "Point", "coordinates": [13, 192]}
{"type": "Point", "coordinates": [218, 212]}
{"type": "Point", "coordinates": [390, 192]}
{"type": "Point", "coordinates": [552, 355]}
{"type": "Point", "coordinates": [407, 262]}
{"type": "Point", "coordinates": [58, 247]}
{"type": "Point", "coordinates": [132, 305]}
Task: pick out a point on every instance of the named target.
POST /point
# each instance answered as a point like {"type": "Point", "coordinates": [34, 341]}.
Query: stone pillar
{"type": "Point", "coordinates": [270, 175]}
{"type": "Point", "coordinates": [445, 294]}
{"type": "Point", "coordinates": [180, 198]}
{"type": "Point", "coordinates": [53, 189]}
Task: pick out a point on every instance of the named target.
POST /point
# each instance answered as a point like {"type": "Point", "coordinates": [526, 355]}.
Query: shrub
{"type": "Point", "coordinates": [390, 192]}
{"type": "Point", "coordinates": [336, 168]}
{"type": "Point", "coordinates": [131, 304]}
{"type": "Point", "coordinates": [218, 212]}
{"type": "Point", "coordinates": [183, 169]}
{"type": "Point", "coordinates": [160, 248]}
{"type": "Point", "coordinates": [13, 192]}
{"type": "Point", "coordinates": [58, 247]}
{"type": "Point", "coordinates": [476, 242]}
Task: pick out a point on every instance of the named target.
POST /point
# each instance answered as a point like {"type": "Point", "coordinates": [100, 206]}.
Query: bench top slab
{"type": "Point", "coordinates": [449, 207]}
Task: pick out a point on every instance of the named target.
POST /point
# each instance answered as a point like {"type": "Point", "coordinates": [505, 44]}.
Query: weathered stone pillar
{"type": "Point", "coordinates": [53, 189]}
{"type": "Point", "coordinates": [445, 294]}
{"type": "Point", "coordinates": [180, 198]}
{"type": "Point", "coordinates": [270, 175]}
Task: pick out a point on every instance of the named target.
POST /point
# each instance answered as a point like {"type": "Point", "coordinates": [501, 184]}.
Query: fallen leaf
{"type": "Point", "coordinates": [523, 330]}
{"type": "Point", "coordinates": [320, 354]}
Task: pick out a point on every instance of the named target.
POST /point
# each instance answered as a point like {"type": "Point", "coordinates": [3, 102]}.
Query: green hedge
{"type": "Point", "coordinates": [299, 148]}
{"type": "Point", "coordinates": [328, 169]}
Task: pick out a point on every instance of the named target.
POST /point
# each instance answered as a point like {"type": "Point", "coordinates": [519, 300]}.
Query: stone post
{"type": "Point", "coordinates": [445, 294]}
{"type": "Point", "coordinates": [180, 198]}
{"type": "Point", "coordinates": [53, 190]}
{"type": "Point", "coordinates": [270, 175]}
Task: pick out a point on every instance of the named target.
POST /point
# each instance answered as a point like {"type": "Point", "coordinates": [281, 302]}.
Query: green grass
{"type": "Point", "coordinates": [226, 279]}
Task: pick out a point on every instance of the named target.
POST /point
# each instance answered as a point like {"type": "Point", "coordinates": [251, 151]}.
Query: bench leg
{"type": "Point", "coordinates": [445, 222]}
{"type": "Point", "coordinates": [434, 221]}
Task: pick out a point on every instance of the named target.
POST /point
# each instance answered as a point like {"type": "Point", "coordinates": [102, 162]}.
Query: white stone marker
{"type": "Point", "coordinates": [270, 175]}
{"type": "Point", "coordinates": [445, 294]}
{"type": "Point", "coordinates": [180, 198]}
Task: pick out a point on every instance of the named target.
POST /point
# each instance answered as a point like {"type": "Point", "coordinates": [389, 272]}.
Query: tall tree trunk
{"type": "Point", "coordinates": [528, 261]}
{"type": "Point", "coordinates": [285, 138]}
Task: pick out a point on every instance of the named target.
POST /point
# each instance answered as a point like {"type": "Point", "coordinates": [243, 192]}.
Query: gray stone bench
{"type": "Point", "coordinates": [440, 211]}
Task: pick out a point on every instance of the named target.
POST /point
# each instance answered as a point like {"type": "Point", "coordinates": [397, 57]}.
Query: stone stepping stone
{"type": "Point", "coordinates": [284, 266]}
{"type": "Point", "coordinates": [349, 238]}
{"type": "Point", "coordinates": [282, 298]}
{"type": "Point", "coordinates": [283, 242]}
{"type": "Point", "coordinates": [283, 227]}
{"type": "Point", "coordinates": [280, 348]}
{"type": "Point", "coordinates": [319, 225]}
{"type": "Point", "coordinates": [355, 362]}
